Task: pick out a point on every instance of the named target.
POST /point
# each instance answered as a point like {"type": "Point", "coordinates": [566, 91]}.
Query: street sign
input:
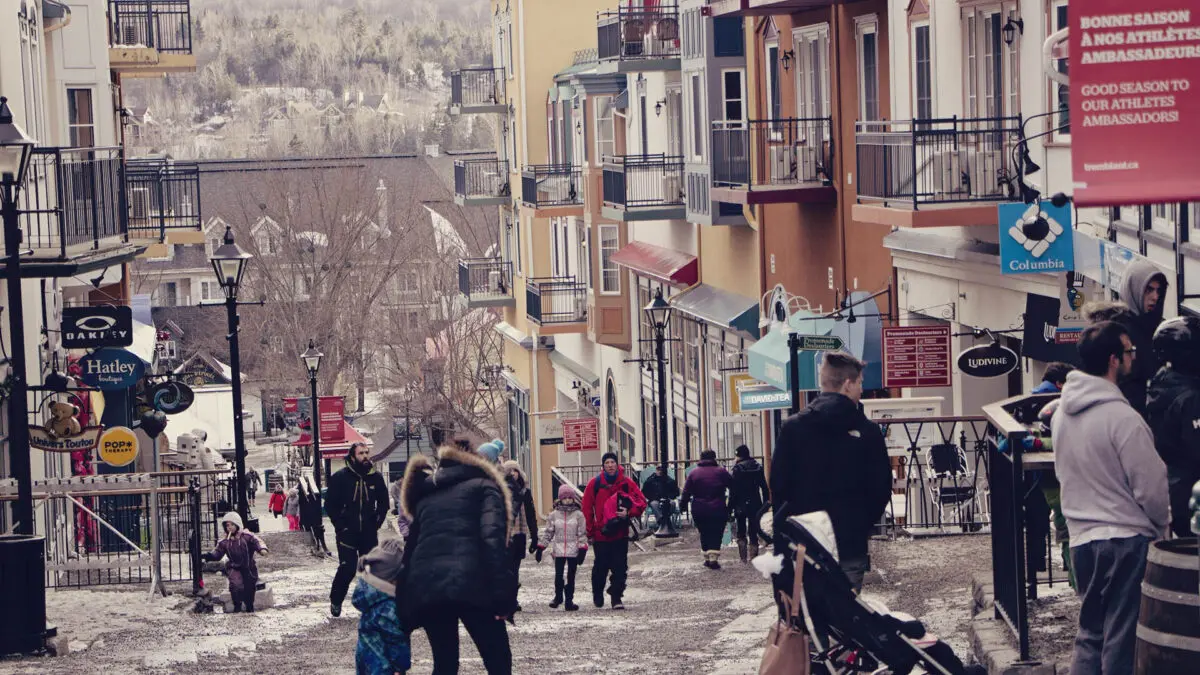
{"type": "Point", "coordinates": [581, 435]}
{"type": "Point", "coordinates": [820, 343]}
{"type": "Point", "coordinates": [550, 431]}
{"type": "Point", "coordinates": [916, 356]}
{"type": "Point", "coordinates": [118, 446]}
{"type": "Point", "coordinates": [92, 327]}
{"type": "Point", "coordinates": [988, 361]}
{"type": "Point", "coordinates": [331, 413]}
{"type": "Point", "coordinates": [171, 397]}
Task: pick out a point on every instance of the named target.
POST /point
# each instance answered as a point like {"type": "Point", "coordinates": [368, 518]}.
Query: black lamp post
{"type": "Point", "coordinates": [229, 263]}
{"type": "Point", "coordinates": [659, 313]}
{"type": "Point", "coordinates": [312, 361]}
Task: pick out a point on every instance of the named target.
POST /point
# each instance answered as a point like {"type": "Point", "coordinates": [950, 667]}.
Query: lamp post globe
{"type": "Point", "coordinates": [658, 310]}
{"type": "Point", "coordinates": [229, 263]}
{"type": "Point", "coordinates": [312, 359]}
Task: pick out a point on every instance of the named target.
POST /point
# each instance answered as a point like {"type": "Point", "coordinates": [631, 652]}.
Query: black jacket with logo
{"type": "Point", "coordinates": [830, 457]}
{"type": "Point", "coordinates": [356, 501]}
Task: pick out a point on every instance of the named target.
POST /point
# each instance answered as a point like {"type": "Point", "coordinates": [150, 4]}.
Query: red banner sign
{"type": "Point", "coordinates": [331, 411]}
{"type": "Point", "coordinates": [291, 405]}
{"type": "Point", "coordinates": [1134, 101]}
{"type": "Point", "coordinates": [916, 356]}
{"type": "Point", "coordinates": [581, 435]}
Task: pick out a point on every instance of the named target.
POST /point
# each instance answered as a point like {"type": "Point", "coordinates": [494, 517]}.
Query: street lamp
{"type": "Point", "coordinates": [312, 361]}
{"type": "Point", "coordinates": [26, 609]}
{"type": "Point", "coordinates": [659, 313]}
{"type": "Point", "coordinates": [229, 263]}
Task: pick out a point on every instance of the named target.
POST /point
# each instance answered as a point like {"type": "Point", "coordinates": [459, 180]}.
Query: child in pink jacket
{"type": "Point", "coordinates": [565, 535]}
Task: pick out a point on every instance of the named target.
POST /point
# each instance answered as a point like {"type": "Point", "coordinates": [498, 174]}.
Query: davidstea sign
{"type": "Point", "coordinates": [111, 369]}
{"type": "Point", "coordinates": [988, 361]}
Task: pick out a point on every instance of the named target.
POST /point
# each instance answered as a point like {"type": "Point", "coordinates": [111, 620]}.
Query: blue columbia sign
{"type": "Point", "coordinates": [1036, 238]}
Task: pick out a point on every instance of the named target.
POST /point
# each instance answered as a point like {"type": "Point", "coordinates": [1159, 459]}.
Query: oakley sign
{"type": "Point", "coordinates": [93, 327]}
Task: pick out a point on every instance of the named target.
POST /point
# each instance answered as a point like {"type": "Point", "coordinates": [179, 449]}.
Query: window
{"type": "Point", "coordinates": [922, 72]}
{"type": "Point", "coordinates": [610, 276]}
{"type": "Point", "coordinates": [414, 321]}
{"type": "Point", "coordinates": [583, 252]}
{"type": "Point", "coordinates": [774, 96]}
{"type": "Point", "coordinates": [649, 430]}
{"type": "Point", "coordinates": [512, 243]}
{"type": "Point", "coordinates": [728, 37]}
{"type": "Point", "coordinates": [733, 93]}
{"type": "Point", "coordinates": [614, 434]}
{"type": "Point", "coordinates": [868, 68]}
{"type": "Point", "coordinates": [1013, 80]}
{"type": "Point", "coordinates": [698, 117]}
{"type": "Point", "coordinates": [1063, 91]}
{"type": "Point", "coordinates": [81, 118]}
{"type": "Point", "coordinates": [811, 46]}
{"type": "Point", "coordinates": [606, 145]}
{"type": "Point", "coordinates": [32, 69]}
{"type": "Point", "coordinates": [674, 121]}
{"type": "Point", "coordinates": [168, 294]}
{"type": "Point", "coordinates": [972, 35]}
{"type": "Point", "coordinates": [210, 290]}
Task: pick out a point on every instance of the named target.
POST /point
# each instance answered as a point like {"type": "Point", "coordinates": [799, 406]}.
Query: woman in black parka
{"type": "Point", "coordinates": [456, 560]}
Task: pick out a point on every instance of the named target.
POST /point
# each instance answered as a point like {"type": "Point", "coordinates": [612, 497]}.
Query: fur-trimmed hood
{"type": "Point", "coordinates": [453, 466]}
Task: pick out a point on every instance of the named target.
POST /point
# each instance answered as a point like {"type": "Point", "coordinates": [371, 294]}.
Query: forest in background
{"type": "Point", "coordinates": [256, 61]}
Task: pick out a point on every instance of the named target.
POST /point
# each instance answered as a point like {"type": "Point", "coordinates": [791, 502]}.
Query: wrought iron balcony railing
{"type": "Point", "coordinates": [641, 181]}
{"type": "Point", "coordinates": [474, 88]}
{"type": "Point", "coordinates": [937, 161]}
{"type": "Point", "coordinates": [164, 195]}
{"type": "Point", "coordinates": [73, 201]}
{"type": "Point", "coordinates": [485, 281]}
{"type": "Point", "coordinates": [481, 181]}
{"type": "Point", "coordinates": [556, 300]}
{"type": "Point", "coordinates": [638, 33]}
{"type": "Point", "coordinates": [772, 153]}
{"type": "Point", "coordinates": [165, 25]}
{"type": "Point", "coordinates": [552, 185]}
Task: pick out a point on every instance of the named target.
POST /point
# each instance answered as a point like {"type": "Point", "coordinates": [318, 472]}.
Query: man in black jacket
{"type": "Point", "coordinates": [747, 497]}
{"type": "Point", "coordinates": [357, 504]}
{"type": "Point", "coordinates": [1173, 412]}
{"type": "Point", "coordinates": [659, 491]}
{"type": "Point", "coordinates": [830, 457]}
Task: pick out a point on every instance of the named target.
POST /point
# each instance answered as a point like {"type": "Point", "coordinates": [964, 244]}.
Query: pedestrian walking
{"type": "Point", "coordinates": [239, 546]}
{"type": "Point", "coordinates": [357, 504]}
{"type": "Point", "coordinates": [609, 501]}
{"type": "Point", "coordinates": [291, 509]}
{"type": "Point", "coordinates": [456, 561]}
{"type": "Point", "coordinates": [708, 486]}
{"type": "Point", "coordinates": [523, 526]}
{"type": "Point", "coordinates": [1173, 412]}
{"type": "Point", "coordinates": [493, 450]}
{"type": "Point", "coordinates": [659, 490]}
{"type": "Point", "coordinates": [830, 457]}
{"type": "Point", "coordinates": [565, 536]}
{"type": "Point", "coordinates": [1143, 291]}
{"type": "Point", "coordinates": [747, 496]}
{"type": "Point", "coordinates": [277, 501]}
{"type": "Point", "coordinates": [383, 647]}
{"type": "Point", "coordinates": [253, 483]}
{"type": "Point", "coordinates": [1114, 497]}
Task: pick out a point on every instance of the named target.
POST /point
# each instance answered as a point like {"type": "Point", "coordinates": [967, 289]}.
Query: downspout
{"type": "Point", "coordinates": [839, 147]}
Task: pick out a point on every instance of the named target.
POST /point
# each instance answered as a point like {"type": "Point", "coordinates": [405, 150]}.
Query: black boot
{"type": "Point", "coordinates": [742, 549]}
{"type": "Point", "coordinates": [569, 592]}
{"type": "Point", "coordinates": [556, 602]}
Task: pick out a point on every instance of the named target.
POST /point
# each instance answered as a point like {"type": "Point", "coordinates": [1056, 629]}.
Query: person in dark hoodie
{"type": "Point", "coordinates": [357, 504]}
{"type": "Point", "coordinates": [708, 486]}
{"type": "Point", "coordinates": [830, 457]}
{"type": "Point", "coordinates": [747, 496]}
{"type": "Point", "coordinates": [1143, 290]}
{"type": "Point", "coordinates": [456, 561]}
{"type": "Point", "coordinates": [1173, 412]}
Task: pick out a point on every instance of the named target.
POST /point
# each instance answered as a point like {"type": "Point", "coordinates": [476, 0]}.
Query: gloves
{"type": "Point", "coordinates": [533, 547]}
{"type": "Point", "coordinates": [537, 555]}
{"type": "Point", "coordinates": [581, 557]}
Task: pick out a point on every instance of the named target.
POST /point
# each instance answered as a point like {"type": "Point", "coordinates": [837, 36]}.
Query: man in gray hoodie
{"type": "Point", "coordinates": [1144, 292]}
{"type": "Point", "coordinates": [1114, 497]}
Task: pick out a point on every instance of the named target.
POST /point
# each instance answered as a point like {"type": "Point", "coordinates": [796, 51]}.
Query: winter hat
{"type": "Point", "coordinates": [384, 560]}
{"type": "Point", "coordinates": [742, 452]}
{"type": "Point", "coordinates": [490, 451]}
{"type": "Point", "coordinates": [566, 492]}
{"type": "Point", "coordinates": [510, 465]}
{"type": "Point", "coordinates": [232, 517]}
{"type": "Point", "coordinates": [610, 455]}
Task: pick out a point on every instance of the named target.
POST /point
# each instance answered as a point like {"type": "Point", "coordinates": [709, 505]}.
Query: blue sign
{"type": "Point", "coordinates": [763, 397]}
{"type": "Point", "coordinates": [1036, 238]}
{"type": "Point", "coordinates": [111, 369]}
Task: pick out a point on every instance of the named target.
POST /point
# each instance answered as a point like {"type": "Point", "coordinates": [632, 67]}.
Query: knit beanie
{"type": "Point", "coordinates": [610, 455]}
{"type": "Point", "coordinates": [384, 559]}
{"type": "Point", "coordinates": [566, 492]}
{"type": "Point", "coordinates": [490, 451]}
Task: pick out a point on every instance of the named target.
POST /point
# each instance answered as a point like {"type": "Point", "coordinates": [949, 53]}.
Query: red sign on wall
{"type": "Point", "coordinates": [916, 356]}
{"type": "Point", "coordinates": [291, 405]}
{"type": "Point", "coordinates": [581, 435]}
{"type": "Point", "coordinates": [331, 411]}
{"type": "Point", "coordinates": [1134, 101]}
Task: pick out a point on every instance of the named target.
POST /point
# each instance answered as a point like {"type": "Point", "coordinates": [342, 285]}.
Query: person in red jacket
{"type": "Point", "coordinates": [278, 499]}
{"type": "Point", "coordinates": [609, 501]}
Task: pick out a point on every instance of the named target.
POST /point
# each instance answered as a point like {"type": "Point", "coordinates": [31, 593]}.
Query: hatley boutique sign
{"type": "Point", "coordinates": [111, 369]}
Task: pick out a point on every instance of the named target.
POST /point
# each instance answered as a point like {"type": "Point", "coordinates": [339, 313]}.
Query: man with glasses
{"type": "Point", "coordinates": [1114, 497]}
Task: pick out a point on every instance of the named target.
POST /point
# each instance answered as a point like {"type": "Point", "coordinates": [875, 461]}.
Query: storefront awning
{"type": "Point", "coordinates": [666, 265]}
{"type": "Point", "coordinates": [578, 369]}
{"type": "Point", "coordinates": [335, 450]}
{"type": "Point", "coordinates": [721, 308]}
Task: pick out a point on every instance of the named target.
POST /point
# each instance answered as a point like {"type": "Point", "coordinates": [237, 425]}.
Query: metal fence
{"type": "Point", "coordinates": [485, 277]}
{"type": "Point", "coordinates": [936, 161]}
{"type": "Point", "coordinates": [552, 300]}
{"type": "Point", "coordinates": [165, 25]}
{"type": "Point", "coordinates": [633, 33]}
{"type": "Point", "coordinates": [757, 153]}
{"type": "Point", "coordinates": [481, 178]}
{"type": "Point", "coordinates": [480, 86]}
{"type": "Point", "coordinates": [73, 199]}
{"type": "Point", "coordinates": [633, 181]}
{"type": "Point", "coordinates": [163, 195]}
{"type": "Point", "coordinates": [551, 185]}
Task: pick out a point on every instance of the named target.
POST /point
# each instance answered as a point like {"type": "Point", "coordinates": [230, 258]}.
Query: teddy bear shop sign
{"type": "Point", "coordinates": [62, 432]}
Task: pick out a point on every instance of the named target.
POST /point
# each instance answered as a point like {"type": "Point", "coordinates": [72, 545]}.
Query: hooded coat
{"type": "Point", "coordinates": [291, 505]}
{"type": "Point", "coordinates": [830, 457]}
{"type": "Point", "coordinates": [456, 558]}
{"type": "Point", "coordinates": [356, 501]}
{"type": "Point", "coordinates": [707, 486]}
{"type": "Point", "coordinates": [749, 490]}
{"type": "Point", "coordinates": [1173, 412]}
{"type": "Point", "coordinates": [1138, 276]}
{"type": "Point", "coordinates": [524, 515]}
{"type": "Point", "coordinates": [565, 532]}
{"type": "Point", "coordinates": [600, 504]}
{"type": "Point", "coordinates": [1113, 483]}
{"type": "Point", "coordinates": [239, 547]}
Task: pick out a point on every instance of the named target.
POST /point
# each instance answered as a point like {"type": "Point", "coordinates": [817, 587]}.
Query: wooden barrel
{"type": "Point", "coordinates": [1168, 632]}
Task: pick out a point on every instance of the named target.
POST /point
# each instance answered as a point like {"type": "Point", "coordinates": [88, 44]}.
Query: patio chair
{"type": "Point", "coordinates": [952, 485]}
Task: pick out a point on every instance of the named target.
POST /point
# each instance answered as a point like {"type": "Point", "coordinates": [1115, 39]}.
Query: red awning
{"type": "Point", "coordinates": [667, 265]}
{"type": "Point", "coordinates": [334, 450]}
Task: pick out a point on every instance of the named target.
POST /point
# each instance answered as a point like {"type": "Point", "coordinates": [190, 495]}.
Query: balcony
{"type": "Point", "coordinates": [486, 282]}
{"type": "Point", "coordinates": [164, 201]}
{"type": "Point", "coordinates": [481, 182]}
{"type": "Point", "coordinates": [764, 7]}
{"type": "Point", "coordinates": [639, 39]}
{"type": "Point", "coordinates": [150, 37]}
{"type": "Point", "coordinates": [553, 189]}
{"type": "Point", "coordinates": [477, 90]}
{"type": "Point", "coordinates": [773, 161]}
{"type": "Point", "coordinates": [74, 214]}
{"type": "Point", "coordinates": [643, 187]}
{"type": "Point", "coordinates": [935, 172]}
{"type": "Point", "coordinates": [557, 304]}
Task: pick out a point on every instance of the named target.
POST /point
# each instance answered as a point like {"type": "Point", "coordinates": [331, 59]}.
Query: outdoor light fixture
{"type": "Point", "coordinates": [658, 310]}
{"type": "Point", "coordinates": [15, 149]}
{"type": "Point", "coordinates": [229, 262]}
{"type": "Point", "coordinates": [658, 108]}
{"type": "Point", "coordinates": [1011, 28]}
{"type": "Point", "coordinates": [786, 58]}
{"type": "Point", "coordinates": [312, 359]}
{"type": "Point", "coordinates": [1030, 167]}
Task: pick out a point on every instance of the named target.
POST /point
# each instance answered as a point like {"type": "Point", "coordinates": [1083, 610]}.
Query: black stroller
{"type": "Point", "coordinates": [847, 634]}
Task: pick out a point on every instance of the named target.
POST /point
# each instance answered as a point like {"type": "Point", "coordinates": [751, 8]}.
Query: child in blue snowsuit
{"type": "Point", "coordinates": [382, 643]}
